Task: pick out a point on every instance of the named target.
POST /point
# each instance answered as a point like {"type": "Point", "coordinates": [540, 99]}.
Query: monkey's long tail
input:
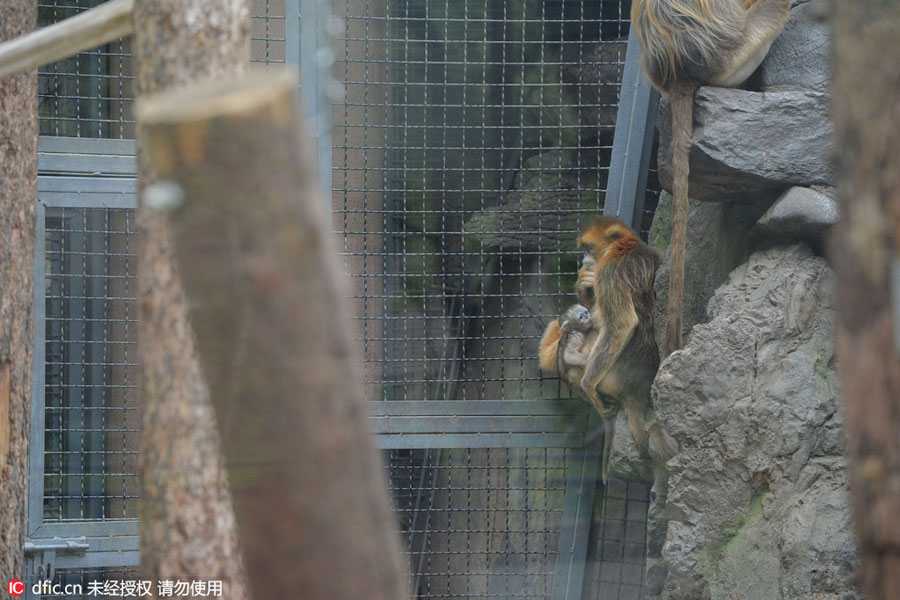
{"type": "Point", "coordinates": [682, 105]}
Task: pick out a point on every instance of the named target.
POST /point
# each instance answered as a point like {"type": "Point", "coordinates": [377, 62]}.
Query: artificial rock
{"type": "Point", "coordinates": [751, 145]}
{"type": "Point", "coordinates": [757, 502]}
{"type": "Point", "coordinates": [800, 213]}
{"type": "Point", "coordinates": [716, 244]}
{"type": "Point", "coordinates": [801, 56]}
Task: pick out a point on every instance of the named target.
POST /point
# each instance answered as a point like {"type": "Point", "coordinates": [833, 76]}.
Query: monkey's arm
{"type": "Point", "coordinates": [574, 357]}
{"type": "Point", "coordinates": [764, 22]}
{"type": "Point", "coordinates": [584, 286]}
{"type": "Point", "coordinates": [618, 327]}
{"type": "Point", "coordinates": [550, 346]}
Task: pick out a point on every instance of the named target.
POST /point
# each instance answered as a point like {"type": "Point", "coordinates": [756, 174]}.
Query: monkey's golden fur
{"type": "Point", "coordinates": [685, 44]}
{"type": "Point", "coordinates": [624, 358]}
{"type": "Point", "coordinates": [550, 345]}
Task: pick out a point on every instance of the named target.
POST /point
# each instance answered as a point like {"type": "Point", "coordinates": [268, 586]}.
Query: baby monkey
{"type": "Point", "coordinates": [575, 327]}
{"type": "Point", "coordinates": [551, 341]}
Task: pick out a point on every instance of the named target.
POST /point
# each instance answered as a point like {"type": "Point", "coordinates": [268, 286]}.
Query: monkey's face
{"type": "Point", "coordinates": [577, 318]}
{"type": "Point", "coordinates": [583, 318]}
{"type": "Point", "coordinates": [601, 233]}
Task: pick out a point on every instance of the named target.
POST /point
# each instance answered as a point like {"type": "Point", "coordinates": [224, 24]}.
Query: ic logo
{"type": "Point", "coordinates": [16, 587]}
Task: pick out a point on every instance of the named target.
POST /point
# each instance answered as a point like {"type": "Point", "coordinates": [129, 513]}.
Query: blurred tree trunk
{"type": "Point", "coordinates": [268, 305]}
{"type": "Point", "coordinates": [18, 196]}
{"type": "Point", "coordinates": [865, 249]}
{"type": "Point", "coordinates": [187, 526]}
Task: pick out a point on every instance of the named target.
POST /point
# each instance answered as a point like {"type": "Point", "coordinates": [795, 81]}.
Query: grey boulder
{"type": "Point", "coordinates": [753, 144]}
{"type": "Point", "coordinates": [801, 56]}
{"type": "Point", "coordinates": [800, 213]}
{"type": "Point", "coordinates": [757, 498]}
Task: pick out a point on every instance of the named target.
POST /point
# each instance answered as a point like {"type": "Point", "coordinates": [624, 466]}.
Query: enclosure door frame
{"type": "Point", "coordinates": [73, 173]}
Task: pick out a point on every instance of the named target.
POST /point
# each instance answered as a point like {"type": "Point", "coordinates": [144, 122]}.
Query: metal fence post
{"type": "Point", "coordinates": [633, 141]}
{"type": "Point", "coordinates": [575, 533]}
{"type": "Point", "coordinates": [309, 44]}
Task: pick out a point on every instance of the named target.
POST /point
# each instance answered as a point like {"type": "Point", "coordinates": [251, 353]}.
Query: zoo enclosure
{"type": "Point", "coordinates": [467, 140]}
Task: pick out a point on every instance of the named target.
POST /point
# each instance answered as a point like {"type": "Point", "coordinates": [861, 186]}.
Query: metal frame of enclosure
{"type": "Point", "coordinates": [459, 148]}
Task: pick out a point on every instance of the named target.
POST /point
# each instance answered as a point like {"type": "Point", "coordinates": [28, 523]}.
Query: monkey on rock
{"type": "Point", "coordinates": [686, 44]}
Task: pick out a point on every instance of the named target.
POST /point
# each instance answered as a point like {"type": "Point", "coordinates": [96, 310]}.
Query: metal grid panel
{"type": "Point", "coordinates": [480, 523]}
{"type": "Point", "coordinates": [88, 95]}
{"type": "Point", "coordinates": [267, 32]}
{"type": "Point", "coordinates": [471, 141]}
{"type": "Point", "coordinates": [91, 391]}
{"type": "Point", "coordinates": [617, 554]}
{"type": "Point", "coordinates": [91, 369]}
{"type": "Point", "coordinates": [91, 94]}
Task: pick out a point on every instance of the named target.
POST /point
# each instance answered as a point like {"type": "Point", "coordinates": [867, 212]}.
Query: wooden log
{"type": "Point", "coordinates": [18, 200]}
{"type": "Point", "coordinates": [103, 24]}
{"type": "Point", "coordinates": [187, 525]}
{"type": "Point", "coordinates": [267, 305]}
{"type": "Point", "coordinates": [866, 111]}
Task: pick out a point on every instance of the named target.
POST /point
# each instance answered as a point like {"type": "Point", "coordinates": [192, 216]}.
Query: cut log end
{"type": "Point", "coordinates": [180, 124]}
{"type": "Point", "coordinates": [233, 96]}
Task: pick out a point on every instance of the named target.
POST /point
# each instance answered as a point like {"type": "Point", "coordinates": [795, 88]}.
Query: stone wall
{"type": "Point", "coordinates": [756, 505]}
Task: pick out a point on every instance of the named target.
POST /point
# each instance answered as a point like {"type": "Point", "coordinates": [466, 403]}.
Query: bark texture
{"type": "Point", "coordinates": [867, 126]}
{"type": "Point", "coordinates": [187, 525]}
{"type": "Point", "coordinates": [274, 334]}
{"type": "Point", "coordinates": [18, 195]}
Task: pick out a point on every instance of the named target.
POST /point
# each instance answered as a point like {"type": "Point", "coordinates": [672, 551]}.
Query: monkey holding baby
{"type": "Point", "coordinates": [565, 348]}
{"type": "Point", "coordinates": [611, 360]}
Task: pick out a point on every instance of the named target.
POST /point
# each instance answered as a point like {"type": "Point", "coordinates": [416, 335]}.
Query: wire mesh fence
{"type": "Point", "coordinates": [90, 94]}
{"type": "Point", "coordinates": [267, 33]}
{"type": "Point", "coordinates": [91, 369]}
{"type": "Point", "coordinates": [470, 142]}
{"type": "Point", "coordinates": [480, 523]}
{"type": "Point", "coordinates": [617, 553]}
